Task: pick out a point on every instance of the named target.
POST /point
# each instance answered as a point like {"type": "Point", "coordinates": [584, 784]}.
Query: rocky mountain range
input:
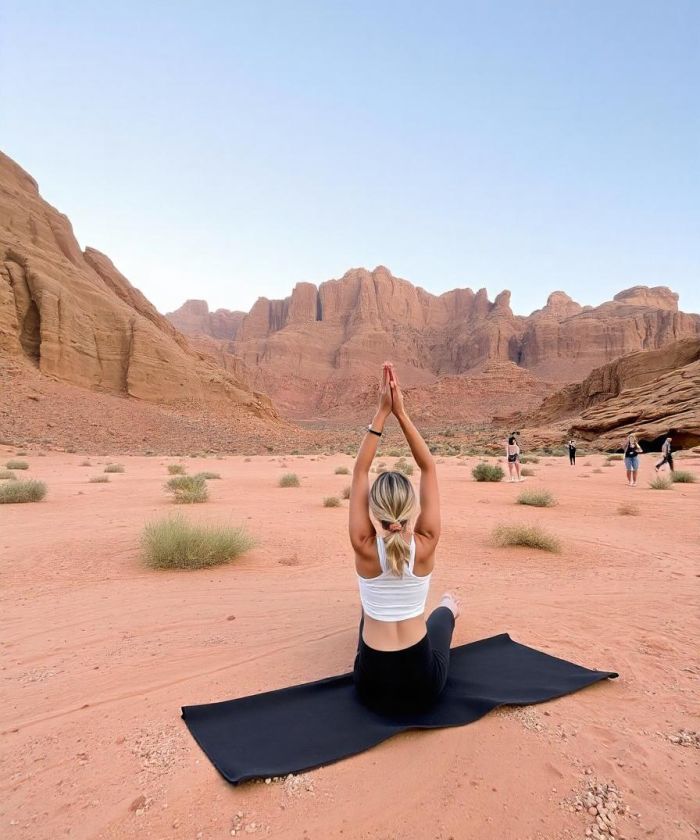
{"type": "Point", "coordinates": [316, 351]}
{"type": "Point", "coordinates": [86, 359]}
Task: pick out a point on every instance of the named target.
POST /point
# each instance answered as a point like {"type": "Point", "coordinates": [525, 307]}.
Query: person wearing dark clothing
{"type": "Point", "coordinates": [571, 445]}
{"type": "Point", "coordinates": [667, 453]}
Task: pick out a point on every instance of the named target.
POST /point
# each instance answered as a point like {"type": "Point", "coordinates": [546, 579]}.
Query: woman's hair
{"type": "Point", "coordinates": [392, 501]}
{"type": "Point", "coordinates": [511, 440]}
{"type": "Point", "coordinates": [633, 440]}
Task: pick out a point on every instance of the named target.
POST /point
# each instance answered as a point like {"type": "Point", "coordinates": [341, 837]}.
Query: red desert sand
{"type": "Point", "coordinates": [99, 653]}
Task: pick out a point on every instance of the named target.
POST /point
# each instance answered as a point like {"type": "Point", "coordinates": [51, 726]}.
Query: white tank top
{"type": "Point", "coordinates": [389, 597]}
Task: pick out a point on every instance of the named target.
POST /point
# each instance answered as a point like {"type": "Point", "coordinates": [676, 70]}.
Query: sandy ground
{"type": "Point", "coordinates": [99, 653]}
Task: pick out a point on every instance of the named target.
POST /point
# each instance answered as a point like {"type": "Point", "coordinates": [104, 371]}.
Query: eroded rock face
{"type": "Point", "coordinates": [75, 318]}
{"type": "Point", "coordinates": [194, 318]}
{"type": "Point", "coordinates": [322, 345]}
{"type": "Point", "coordinates": [650, 393]}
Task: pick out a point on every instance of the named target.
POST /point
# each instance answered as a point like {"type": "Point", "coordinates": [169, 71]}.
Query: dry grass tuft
{"type": "Point", "coordinates": [85, 464]}
{"type": "Point", "coordinates": [683, 477]}
{"type": "Point", "coordinates": [403, 466]}
{"type": "Point", "coordinates": [99, 479]}
{"type": "Point", "coordinates": [289, 480]}
{"type": "Point", "coordinates": [660, 483]}
{"type": "Point", "coordinates": [627, 509]}
{"type": "Point", "coordinates": [188, 489]}
{"type": "Point", "coordinates": [597, 470]}
{"type": "Point", "coordinates": [527, 472]}
{"type": "Point", "coordinates": [6, 474]}
{"type": "Point", "coordinates": [528, 536]}
{"type": "Point", "coordinates": [17, 465]}
{"type": "Point", "coordinates": [114, 468]}
{"type": "Point", "coordinates": [176, 469]}
{"type": "Point", "coordinates": [342, 471]}
{"type": "Point", "coordinates": [16, 492]}
{"type": "Point", "coordinates": [529, 459]}
{"type": "Point", "coordinates": [173, 543]}
{"type": "Point", "coordinates": [487, 472]}
{"type": "Point", "coordinates": [536, 498]}
{"type": "Point", "coordinates": [207, 476]}
{"type": "Point", "coordinates": [616, 456]}
{"type": "Point", "coordinates": [331, 501]}
{"type": "Point", "coordinates": [346, 492]}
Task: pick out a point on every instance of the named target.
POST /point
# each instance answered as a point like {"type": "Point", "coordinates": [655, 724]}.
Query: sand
{"type": "Point", "coordinates": [99, 653]}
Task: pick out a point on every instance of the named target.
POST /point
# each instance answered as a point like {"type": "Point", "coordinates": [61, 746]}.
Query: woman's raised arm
{"type": "Point", "coordinates": [428, 522]}
{"type": "Point", "coordinates": [360, 525]}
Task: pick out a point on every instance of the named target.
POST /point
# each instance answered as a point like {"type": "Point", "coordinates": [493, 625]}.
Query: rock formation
{"type": "Point", "coordinates": [73, 317]}
{"type": "Point", "coordinates": [649, 392]}
{"type": "Point", "coordinates": [320, 347]}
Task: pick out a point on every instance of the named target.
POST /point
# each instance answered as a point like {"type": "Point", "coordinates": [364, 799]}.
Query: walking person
{"type": "Point", "coordinates": [667, 453]}
{"type": "Point", "coordinates": [402, 657]}
{"type": "Point", "coordinates": [632, 452]}
{"type": "Point", "coordinates": [513, 459]}
{"type": "Point", "coordinates": [571, 445]}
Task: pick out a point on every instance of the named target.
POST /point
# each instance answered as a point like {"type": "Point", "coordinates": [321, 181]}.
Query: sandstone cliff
{"type": "Point", "coordinates": [648, 392]}
{"type": "Point", "coordinates": [322, 346]}
{"type": "Point", "coordinates": [72, 316]}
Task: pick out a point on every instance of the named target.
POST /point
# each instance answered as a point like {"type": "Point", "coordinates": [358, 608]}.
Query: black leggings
{"type": "Point", "coordinates": [667, 459]}
{"type": "Point", "coordinates": [572, 456]}
{"type": "Point", "coordinates": [410, 679]}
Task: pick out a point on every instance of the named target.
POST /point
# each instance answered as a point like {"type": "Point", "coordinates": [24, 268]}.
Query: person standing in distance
{"type": "Point", "coordinates": [571, 445]}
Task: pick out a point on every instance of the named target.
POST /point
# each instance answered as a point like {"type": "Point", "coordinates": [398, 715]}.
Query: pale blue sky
{"type": "Point", "coordinates": [226, 150]}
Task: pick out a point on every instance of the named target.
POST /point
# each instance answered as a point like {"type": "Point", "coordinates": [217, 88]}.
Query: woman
{"type": "Point", "coordinates": [632, 452]}
{"type": "Point", "coordinates": [572, 452]}
{"type": "Point", "coordinates": [513, 459]}
{"type": "Point", "coordinates": [402, 659]}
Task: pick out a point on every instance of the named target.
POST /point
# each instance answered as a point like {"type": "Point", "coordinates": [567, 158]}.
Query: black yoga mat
{"type": "Point", "coordinates": [305, 726]}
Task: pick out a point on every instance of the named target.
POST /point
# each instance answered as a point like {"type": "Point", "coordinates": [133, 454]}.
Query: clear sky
{"type": "Point", "coordinates": [225, 150]}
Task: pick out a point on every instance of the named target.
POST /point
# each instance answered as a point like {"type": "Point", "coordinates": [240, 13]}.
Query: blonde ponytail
{"type": "Point", "coordinates": [392, 501]}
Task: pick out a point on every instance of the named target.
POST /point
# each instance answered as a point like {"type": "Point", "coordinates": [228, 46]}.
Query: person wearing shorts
{"type": "Point", "coordinates": [632, 450]}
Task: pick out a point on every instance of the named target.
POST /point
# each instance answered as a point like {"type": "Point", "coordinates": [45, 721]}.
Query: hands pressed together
{"type": "Point", "coordinates": [390, 395]}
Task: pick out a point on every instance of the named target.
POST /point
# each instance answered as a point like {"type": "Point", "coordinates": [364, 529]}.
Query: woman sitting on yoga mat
{"type": "Point", "coordinates": [402, 659]}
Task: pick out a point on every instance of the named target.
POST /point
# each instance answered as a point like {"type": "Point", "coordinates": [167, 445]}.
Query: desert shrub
{"type": "Point", "coordinates": [207, 476]}
{"type": "Point", "coordinates": [526, 471]}
{"type": "Point", "coordinates": [17, 465]}
{"type": "Point", "coordinates": [529, 459]}
{"type": "Point", "coordinates": [528, 536]}
{"type": "Point", "coordinates": [6, 474]}
{"type": "Point", "coordinates": [114, 468]}
{"type": "Point", "coordinates": [21, 454]}
{"type": "Point", "coordinates": [615, 456]}
{"type": "Point", "coordinates": [597, 470]}
{"type": "Point", "coordinates": [395, 453]}
{"type": "Point", "coordinates": [536, 498]}
{"type": "Point", "coordinates": [176, 469]}
{"type": "Point", "coordinates": [628, 509]}
{"type": "Point", "coordinates": [331, 501]}
{"type": "Point", "coordinates": [342, 471]}
{"type": "Point", "coordinates": [660, 483]}
{"type": "Point", "coordinates": [173, 543]}
{"type": "Point", "coordinates": [99, 479]}
{"type": "Point", "coordinates": [188, 489]}
{"type": "Point", "coordinates": [15, 492]}
{"type": "Point", "coordinates": [85, 464]}
{"type": "Point", "coordinates": [487, 472]}
{"type": "Point", "coordinates": [289, 480]}
{"type": "Point", "coordinates": [403, 466]}
{"type": "Point", "coordinates": [683, 477]}
{"type": "Point", "coordinates": [346, 492]}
